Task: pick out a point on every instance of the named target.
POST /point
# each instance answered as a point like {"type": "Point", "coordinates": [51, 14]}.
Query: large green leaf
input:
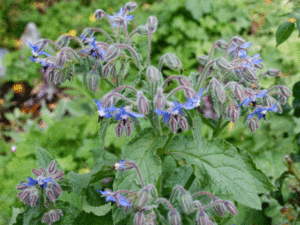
{"type": "Point", "coordinates": [218, 165]}
{"type": "Point", "coordinates": [283, 32]}
{"type": "Point", "coordinates": [43, 159]}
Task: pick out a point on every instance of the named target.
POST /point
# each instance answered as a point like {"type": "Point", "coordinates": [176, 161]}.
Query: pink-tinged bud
{"type": "Point", "coordinates": [186, 203]}
{"type": "Point", "coordinates": [139, 218]}
{"type": "Point", "coordinates": [50, 195]}
{"type": "Point", "coordinates": [152, 74]}
{"type": "Point", "coordinates": [58, 176]}
{"type": "Point", "coordinates": [51, 167]}
{"type": "Point", "coordinates": [21, 187]}
{"type": "Point", "coordinates": [219, 208]}
{"type": "Point", "coordinates": [203, 59]}
{"type": "Point", "coordinates": [119, 20]}
{"type": "Point", "coordinates": [238, 40]}
{"type": "Point", "coordinates": [20, 194]}
{"type": "Point", "coordinates": [259, 66]}
{"type": "Point", "coordinates": [43, 171]}
{"type": "Point", "coordinates": [112, 52]}
{"type": "Point", "coordinates": [285, 91]}
{"type": "Point", "coordinates": [183, 122]}
{"type": "Point", "coordinates": [93, 80]}
{"type": "Point", "coordinates": [235, 114]}
{"type": "Point", "coordinates": [202, 219]}
{"type": "Point", "coordinates": [33, 200]}
{"type": "Point", "coordinates": [36, 172]}
{"type": "Point", "coordinates": [172, 61]}
{"type": "Point", "coordinates": [128, 127]}
{"type": "Point", "coordinates": [105, 71]}
{"type": "Point", "coordinates": [279, 108]}
{"type": "Point", "coordinates": [251, 125]}
{"type": "Point", "coordinates": [249, 74]}
{"type": "Point", "coordinates": [25, 195]}
{"type": "Point", "coordinates": [56, 190]}
{"type": "Point", "coordinates": [282, 99]}
{"type": "Point", "coordinates": [173, 124]}
{"type": "Point", "coordinates": [143, 198]}
{"type": "Point", "coordinates": [53, 217]}
{"type": "Point", "coordinates": [99, 13]}
{"type": "Point", "coordinates": [151, 218]}
{"type": "Point", "coordinates": [222, 45]}
{"type": "Point", "coordinates": [231, 208]}
{"type": "Point", "coordinates": [152, 23]}
{"type": "Point", "coordinates": [268, 101]}
{"type": "Point", "coordinates": [59, 212]}
{"type": "Point", "coordinates": [63, 41]}
{"type": "Point", "coordinates": [131, 6]}
{"type": "Point", "coordinates": [223, 64]}
{"type": "Point", "coordinates": [273, 72]}
{"type": "Point", "coordinates": [239, 74]}
{"type": "Point", "coordinates": [142, 30]}
{"type": "Point", "coordinates": [159, 99]}
{"type": "Point", "coordinates": [119, 129]}
{"type": "Point", "coordinates": [238, 91]}
{"type": "Point", "coordinates": [45, 218]}
{"type": "Point", "coordinates": [257, 123]}
{"type": "Point", "coordinates": [174, 218]}
{"type": "Point", "coordinates": [142, 103]}
{"type": "Point", "coordinates": [43, 46]}
{"type": "Point", "coordinates": [60, 59]}
{"type": "Point", "coordinates": [185, 82]}
{"type": "Point", "coordinates": [220, 92]}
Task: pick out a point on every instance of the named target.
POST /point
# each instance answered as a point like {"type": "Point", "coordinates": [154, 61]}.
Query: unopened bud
{"type": "Point", "coordinates": [60, 59]}
{"type": "Point", "coordinates": [143, 198]}
{"type": "Point", "coordinates": [25, 195]}
{"type": "Point", "coordinates": [183, 122]}
{"type": "Point", "coordinates": [119, 129]}
{"type": "Point", "coordinates": [142, 103]}
{"type": "Point", "coordinates": [128, 127]}
{"type": "Point", "coordinates": [282, 99]}
{"type": "Point", "coordinates": [259, 66]}
{"type": "Point", "coordinates": [222, 45]}
{"type": "Point", "coordinates": [257, 122]}
{"type": "Point", "coordinates": [152, 74]}
{"type": "Point", "coordinates": [57, 191]}
{"type": "Point", "coordinates": [111, 52]}
{"type": "Point", "coordinates": [249, 74]}
{"type": "Point", "coordinates": [45, 218]}
{"type": "Point", "coordinates": [220, 92]}
{"type": "Point", "coordinates": [53, 217]}
{"type": "Point", "coordinates": [33, 199]}
{"type": "Point", "coordinates": [119, 20]}
{"type": "Point", "coordinates": [105, 71]}
{"type": "Point", "coordinates": [151, 218]}
{"type": "Point", "coordinates": [139, 218]}
{"type": "Point", "coordinates": [239, 40]}
{"type": "Point", "coordinates": [131, 6]}
{"type": "Point", "coordinates": [219, 208]}
{"type": "Point", "coordinates": [238, 91]}
{"type": "Point", "coordinates": [279, 108]}
{"type": "Point", "coordinates": [239, 73]}
{"type": "Point", "coordinates": [173, 124]}
{"type": "Point", "coordinates": [285, 91]}
{"type": "Point", "coordinates": [43, 171]}
{"type": "Point", "coordinates": [59, 212]}
{"type": "Point", "coordinates": [186, 203]}
{"type": "Point", "coordinates": [203, 59]}
{"type": "Point", "coordinates": [159, 99]}
{"type": "Point", "coordinates": [174, 218]}
{"type": "Point", "coordinates": [98, 14]}
{"type": "Point", "coordinates": [50, 195]}
{"type": "Point", "coordinates": [63, 41]}
{"type": "Point", "coordinates": [58, 176]}
{"type": "Point", "coordinates": [251, 125]}
{"type": "Point", "coordinates": [21, 187]}
{"type": "Point", "coordinates": [152, 23]}
{"type": "Point", "coordinates": [36, 172]}
{"type": "Point", "coordinates": [172, 61]}
{"type": "Point", "coordinates": [273, 72]}
{"type": "Point", "coordinates": [51, 167]}
{"type": "Point", "coordinates": [223, 64]}
{"type": "Point", "coordinates": [235, 114]}
{"type": "Point", "coordinates": [267, 101]}
{"type": "Point", "coordinates": [142, 30]}
{"type": "Point", "coordinates": [202, 219]}
{"type": "Point", "coordinates": [42, 46]}
{"type": "Point", "coordinates": [93, 80]}
{"type": "Point", "coordinates": [230, 207]}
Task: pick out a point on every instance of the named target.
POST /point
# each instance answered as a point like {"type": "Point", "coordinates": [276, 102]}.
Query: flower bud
{"type": "Point", "coordinates": [105, 71]}
{"type": "Point", "coordinates": [273, 72]}
{"type": "Point", "coordinates": [143, 198]}
{"type": "Point", "coordinates": [230, 207]}
{"type": "Point", "coordinates": [285, 91]}
{"type": "Point", "coordinates": [238, 91]}
{"type": "Point", "coordinates": [202, 219]}
{"type": "Point", "coordinates": [220, 92]}
{"type": "Point", "coordinates": [183, 122]}
{"type": "Point", "coordinates": [239, 73]}
{"type": "Point", "coordinates": [143, 30]}
{"type": "Point", "coordinates": [173, 124]}
{"type": "Point", "coordinates": [36, 172]}
{"type": "Point", "coordinates": [282, 99]}
{"type": "Point", "coordinates": [172, 61]}
{"type": "Point", "coordinates": [57, 191]}
{"type": "Point", "coordinates": [43, 171]}
{"type": "Point", "coordinates": [59, 212]}
{"type": "Point", "coordinates": [203, 60]}
{"type": "Point", "coordinates": [219, 208]}
{"type": "Point", "coordinates": [186, 203]}
{"type": "Point", "coordinates": [58, 176]}
{"type": "Point", "coordinates": [119, 21]}
{"type": "Point", "coordinates": [139, 218]}
{"type": "Point", "coordinates": [174, 218]}
{"type": "Point", "coordinates": [259, 66]}
{"type": "Point", "coordinates": [268, 101]}
{"type": "Point", "coordinates": [60, 59]}
{"type": "Point", "coordinates": [33, 199]}
{"type": "Point", "coordinates": [238, 40]}
{"type": "Point", "coordinates": [111, 52]}
{"type": "Point", "coordinates": [25, 195]}
{"type": "Point", "coordinates": [249, 74]}
{"type": "Point", "coordinates": [128, 127]}
{"type": "Point", "coordinates": [152, 74]}
{"type": "Point", "coordinates": [223, 64]}
{"type": "Point", "coordinates": [51, 167]}
{"type": "Point", "coordinates": [21, 187]}
{"type": "Point", "coordinates": [45, 218]}
{"type": "Point", "coordinates": [98, 14]}
{"type": "Point", "coordinates": [235, 114]}
{"type": "Point", "coordinates": [222, 45]}
{"type": "Point", "coordinates": [119, 129]}
{"type": "Point", "coordinates": [152, 23]}
{"type": "Point", "coordinates": [93, 80]}
{"type": "Point", "coordinates": [142, 103]}
{"type": "Point", "coordinates": [159, 99]}
{"type": "Point", "coordinates": [63, 41]}
{"type": "Point", "coordinates": [279, 108]}
{"type": "Point", "coordinates": [257, 122]}
{"type": "Point", "coordinates": [50, 195]}
{"type": "Point", "coordinates": [42, 46]}
{"type": "Point", "coordinates": [251, 124]}
{"type": "Point", "coordinates": [151, 218]}
{"type": "Point", "coordinates": [131, 6]}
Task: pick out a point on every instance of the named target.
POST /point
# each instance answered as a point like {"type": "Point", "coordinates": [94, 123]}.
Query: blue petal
{"type": "Point", "coordinates": [247, 101]}
{"type": "Point", "coordinates": [120, 13]}
{"type": "Point", "coordinates": [43, 53]}
{"type": "Point", "coordinates": [111, 17]}
{"type": "Point", "coordinates": [251, 115]}
{"type": "Point", "coordinates": [121, 161]}
{"type": "Point", "coordinates": [200, 93]}
{"type": "Point", "coordinates": [111, 109]}
{"type": "Point", "coordinates": [83, 37]}
{"type": "Point", "coordinates": [110, 198]}
{"type": "Point", "coordinates": [272, 108]}
{"type": "Point", "coordinates": [166, 117]}
{"type": "Point", "coordinates": [242, 54]}
{"type": "Point", "coordinates": [103, 192]}
{"type": "Point", "coordinates": [231, 48]}
{"type": "Point", "coordinates": [255, 56]}
{"type": "Point", "coordinates": [159, 111]}
{"type": "Point", "coordinates": [32, 59]}
{"type": "Point", "coordinates": [257, 61]}
{"type": "Point", "coordinates": [259, 115]}
{"type": "Point", "coordinates": [118, 116]}
{"type": "Point", "coordinates": [130, 17]}
{"type": "Point", "coordinates": [246, 45]}
{"type": "Point", "coordinates": [99, 104]}
{"type": "Point", "coordinates": [31, 182]}
{"type": "Point", "coordinates": [262, 93]}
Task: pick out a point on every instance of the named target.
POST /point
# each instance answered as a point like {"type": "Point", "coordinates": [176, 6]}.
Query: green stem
{"type": "Point", "coordinates": [109, 82]}
{"type": "Point", "coordinates": [292, 168]}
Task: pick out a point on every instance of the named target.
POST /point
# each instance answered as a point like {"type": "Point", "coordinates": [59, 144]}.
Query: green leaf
{"type": "Point", "coordinates": [198, 7]}
{"type": "Point", "coordinates": [15, 213]}
{"type": "Point", "coordinates": [97, 210]}
{"type": "Point", "coordinates": [296, 90]}
{"type": "Point", "coordinates": [79, 181]}
{"type": "Point", "coordinates": [43, 159]}
{"type": "Point", "coordinates": [71, 198]}
{"type": "Point", "coordinates": [283, 32]}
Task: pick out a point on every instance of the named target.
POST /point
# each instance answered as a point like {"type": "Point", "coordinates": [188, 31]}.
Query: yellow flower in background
{"type": "Point", "coordinates": [18, 88]}
{"type": "Point", "coordinates": [92, 18]}
{"type": "Point", "coordinates": [292, 20]}
{"type": "Point", "coordinates": [18, 43]}
{"type": "Point", "coordinates": [268, 2]}
{"type": "Point", "coordinates": [110, 9]}
{"type": "Point", "coordinates": [231, 126]}
{"type": "Point", "coordinates": [2, 101]}
{"type": "Point", "coordinates": [146, 6]}
{"type": "Point", "coordinates": [72, 33]}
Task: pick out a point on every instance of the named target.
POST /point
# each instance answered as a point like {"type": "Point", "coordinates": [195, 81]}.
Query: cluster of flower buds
{"type": "Point", "coordinates": [52, 216]}
{"type": "Point", "coordinates": [44, 184]}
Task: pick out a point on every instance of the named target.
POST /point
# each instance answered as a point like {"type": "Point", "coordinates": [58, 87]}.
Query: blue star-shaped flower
{"type": "Point", "coordinates": [94, 51]}
{"type": "Point", "coordinates": [240, 49]}
{"type": "Point", "coordinates": [261, 94]}
{"type": "Point", "coordinates": [177, 109]}
{"type": "Point", "coordinates": [43, 183]}
{"type": "Point", "coordinates": [110, 197]}
{"type": "Point", "coordinates": [105, 112]}
{"type": "Point", "coordinates": [123, 114]}
{"type": "Point", "coordinates": [193, 102]}
{"type": "Point", "coordinates": [120, 13]}
{"type": "Point", "coordinates": [34, 50]}
{"type": "Point", "coordinates": [254, 60]}
{"type": "Point", "coordinates": [44, 64]}
{"type": "Point", "coordinates": [261, 112]}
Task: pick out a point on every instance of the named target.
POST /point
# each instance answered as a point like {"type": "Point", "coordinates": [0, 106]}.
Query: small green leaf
{"type": "Point", "coordinates": [71, 198]}
{"type": "Point", "coordinates": [43, 159]}
{"type": "Point", "coordinates": [283, 32]}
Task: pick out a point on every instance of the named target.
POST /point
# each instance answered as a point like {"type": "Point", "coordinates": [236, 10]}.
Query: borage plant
{"type": "Point", "coordinates": [169, 173]}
